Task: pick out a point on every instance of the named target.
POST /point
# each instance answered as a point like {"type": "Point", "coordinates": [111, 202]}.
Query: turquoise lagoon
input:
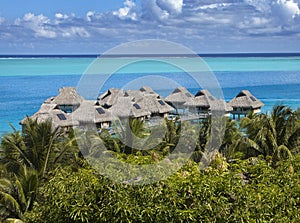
{"type": "Point", "coordinates": [25, 82]}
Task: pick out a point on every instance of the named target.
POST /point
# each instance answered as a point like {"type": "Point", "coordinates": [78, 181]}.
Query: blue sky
{"type": "Point", "coordinates": [94, 26]}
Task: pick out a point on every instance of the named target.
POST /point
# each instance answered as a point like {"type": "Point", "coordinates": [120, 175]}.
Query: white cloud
{"type": "Point", "coordinates": [89, 15]}
{"type": "Point", "coordinates": [39, 19]}
{"type": "Point", "coordinates": [152, 12]}
{"type": "Point", "coordinates": [171, 6]}
{"type": "Point", "coordinates": [186, 21]}
{"type": "Point", "coordinates": [282, 11]}
{"type": "Point", "coordinates": [128, 11]}
{"type": "Point", "coordinates": [260, 5]}
{"type": "Point", "coordinates": [286, 10]}
{"type": "Point", "coordinates": [75, 31]}
{"type": "Point", "coordinates": [202, 18]}
{"type": "Point", "coordinates": [43, 27]}
{"type": "Point", "coordinates": [37, 23]}
{"type": "Point", "coordinates": [254, 23]}
{"type": "Point", "coordinates": [161, 10]}
{"type": "Point", "coordinates": [214, 6]}
{"type": "Point", "coordinates": [61, 16]}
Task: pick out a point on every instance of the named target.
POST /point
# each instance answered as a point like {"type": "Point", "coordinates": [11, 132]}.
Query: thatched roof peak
{"type": "Point", "coordinates": [179, 95]}
{"type": "Point", "coordinates": [67, 96]}
{"type": "Point", "coordinates": [203, 92]}
{"type": "Point", "coordinates": [134, 94]}
{"type": "Point", "coordinates": [110, 97]}
{"type": "Point", "coordinates": [245, 99]}
{"type": "Point", "coordinates": [148, 90]}
{"type": "Point", "coordinates": [203, 98]}
{"type": "Point", "coordinates": [180, 90]}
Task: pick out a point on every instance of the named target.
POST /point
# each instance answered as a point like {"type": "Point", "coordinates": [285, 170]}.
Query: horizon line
{"type": "Point", "coordinates": [244, 54]}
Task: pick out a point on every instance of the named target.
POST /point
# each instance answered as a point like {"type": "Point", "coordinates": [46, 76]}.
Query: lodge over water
{"type": "Point", "coordinates": [69, 108]}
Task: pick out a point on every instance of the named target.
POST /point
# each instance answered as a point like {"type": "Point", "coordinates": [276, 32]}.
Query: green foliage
{"type": "Point", "coordinates": [276, 135]}
{"type": "Point", "coordinates": [18, 193]}
{"type": "Point", "coordinates": [245, 191]}
{"type": "Point", "coordinates": [39, 147]}
{"type": "Point", "coordinates": [25, 160]}
{"type": "Point", "coordinates": [254, 176]}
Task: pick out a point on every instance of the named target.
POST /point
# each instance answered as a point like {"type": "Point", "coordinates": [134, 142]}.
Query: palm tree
{"type": "Point", "coordinates": [129, 136]}
{"type": "Point", "coordinates": [172, 132]}
{"type": "Point", "coordinates": [18, 194]}
{"type": "Point", "coordinates": [231, 138]}
{"type": "Point", "coordinates": [275, 135]}
{"type": "Point", "coordinates": [26, 157]}
{"type": "Point", "coordinates": [39, 147]}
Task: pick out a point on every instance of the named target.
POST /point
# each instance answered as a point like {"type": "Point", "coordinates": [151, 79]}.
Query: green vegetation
{"type": "Point", "coordinates": [255, 176]}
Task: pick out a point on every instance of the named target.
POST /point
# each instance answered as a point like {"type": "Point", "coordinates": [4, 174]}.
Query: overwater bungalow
{"type": "Point", "coordinates": [142, 104]}
{"type": "Point", "coordinates": [50, 112]}
{"type": "Point", "coordinates": [89, 113]}
{"type": "Point", "coordinates": [200, 104]}
{"type": "Point", "coordinates": [178, 98]}
{"type": "Point", "coordinates": [69, 109]}
{"type": "Point", "coordinates": [244, 103]}
{"type": "Point", "coordinates": [126, 106]}
{"type": "Point", "coordinates": [68, 99]}
{"type": "Point", "coordinates": [203, 103]}
{"type": "Point", "coordinates": [110, 97]}
{"type": "Point", "coordinates": [156, 106]}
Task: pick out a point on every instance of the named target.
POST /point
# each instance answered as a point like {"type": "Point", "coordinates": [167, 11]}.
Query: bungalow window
{"type": "Point", "coordinates": [100, 111]}
{"type": "Point", "coordinates": [61, 117]}
{"type": "Point", "coordinates": [137, 106]}
{"type": "Point", "coordinates": [161, 102]}
{"type": "Point", "coordinates": [253, 98]}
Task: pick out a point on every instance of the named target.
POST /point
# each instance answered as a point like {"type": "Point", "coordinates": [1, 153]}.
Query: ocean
{"type": "Point", "coordinates": [27, 81]}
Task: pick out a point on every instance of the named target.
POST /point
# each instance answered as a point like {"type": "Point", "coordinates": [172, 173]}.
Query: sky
{"type": "Point", "coordinates": [95, 26]}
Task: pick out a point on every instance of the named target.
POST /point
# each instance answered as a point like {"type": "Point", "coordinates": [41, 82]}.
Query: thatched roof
{"type": "Point", "coordinates": [138, 94]}
{"type": "Point", "coordinates": [49, 100]}
{"type": "Point", "coordinates": [61, 119]}
{"type": "Point", "coordinates": [155, 105]}
{"type": "Point", "coordinates": [148, 91]}
{"type": "Point", "coordinates": [228, 107]}
{"type": "Point", "coordinates": [121, 107]}
{"type": "Point", "coordinates": [110, 97]}
{"type": "Point", "coordinates": [135, 94]}
{"type": "Point", "coordinates": [88, 112]}
{"type": "Point", "coordinates": [245, 100]}
{"type": "Point", "coordinates": [137, 110]}
{"type": "Point", "coordinates": [126, 107]}
{"type": "Point", "coordinates": [203, 99]}
{"type": "Point", "coordinates": [179, 95]}
{"type": "Point", "coordinates": [57, 117]}
{"type": "Point", "coordinates": [67, 96]}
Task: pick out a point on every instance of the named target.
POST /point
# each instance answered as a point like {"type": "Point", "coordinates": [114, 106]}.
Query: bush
{"type": "Point", "coordinates": [245, 191]}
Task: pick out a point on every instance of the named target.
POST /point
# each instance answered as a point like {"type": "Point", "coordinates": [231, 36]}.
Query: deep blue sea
{"type": "Point", "coordinates": [25, 82]}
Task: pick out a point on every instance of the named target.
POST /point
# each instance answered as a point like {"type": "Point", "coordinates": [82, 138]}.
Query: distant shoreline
{"type": "Point", "coordinates": [13, 56]}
